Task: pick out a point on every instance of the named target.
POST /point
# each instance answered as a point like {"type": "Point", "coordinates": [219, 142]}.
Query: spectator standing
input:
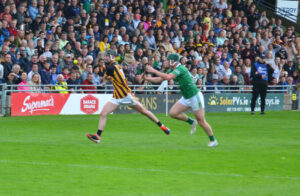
{"type": "Point", "coordinates": [260, 74]}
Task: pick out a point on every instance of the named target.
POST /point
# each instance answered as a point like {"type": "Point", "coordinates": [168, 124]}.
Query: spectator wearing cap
{"type": "Point", "coordinates": [67, 62]}
{"type": "Point", "coordinates": [261, 74]}
{"type": "Point", "coordinates": [48, 37]}
{"type": "Point", "coordinates": [214, 84]}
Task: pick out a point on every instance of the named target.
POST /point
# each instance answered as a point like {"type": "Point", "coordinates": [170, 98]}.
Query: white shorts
{"type": "Point", "coordinates": [196, 102]}
{"type": "Point", "coordinates": [129, 100]}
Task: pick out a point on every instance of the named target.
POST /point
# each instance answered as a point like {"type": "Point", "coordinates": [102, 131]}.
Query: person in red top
{"type": "Point", "coordinates": [66, 73]}
{"type": "Point", "coordinates": [89, 81]}
{"type": "Point", "coordinates": [12, 28]}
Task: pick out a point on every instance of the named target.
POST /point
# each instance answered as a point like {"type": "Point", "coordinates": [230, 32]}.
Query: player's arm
{"type": "Point", "coordinates": [164, 76]}
{"type": "Point", "coordinates": [153, 79]}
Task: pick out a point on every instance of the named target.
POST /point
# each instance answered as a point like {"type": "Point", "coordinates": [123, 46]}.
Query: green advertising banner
{"type": "Point", "coordinates": [231, 102]}
{"type": "Point", "coordinates": [240, 102]}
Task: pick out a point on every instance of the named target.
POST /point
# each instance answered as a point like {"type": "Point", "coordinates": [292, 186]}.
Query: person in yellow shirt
{"type": "Point", "coordinates": [104, 45]}
{"type": "Point", "coordinates": [207, 21]}
{"type": "Point", "coordinates": [61, 86]}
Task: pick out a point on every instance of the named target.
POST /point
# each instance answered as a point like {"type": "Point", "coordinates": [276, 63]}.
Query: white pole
{"type": "Point", "coordinates": [167, 100]}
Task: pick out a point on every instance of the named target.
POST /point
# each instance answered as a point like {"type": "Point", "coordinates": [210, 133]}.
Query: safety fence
{"type": "Point", "coordinates": [77, 99]}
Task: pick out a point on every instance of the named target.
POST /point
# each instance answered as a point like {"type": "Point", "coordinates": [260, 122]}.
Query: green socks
{"type": "Point", "coordinates": [212, 138]}
{"type": "Point", "coordinates": [190, 121]}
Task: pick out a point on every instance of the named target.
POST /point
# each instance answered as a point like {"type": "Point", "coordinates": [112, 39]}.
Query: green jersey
{"type": "Point", "coordinates": [186, 84]}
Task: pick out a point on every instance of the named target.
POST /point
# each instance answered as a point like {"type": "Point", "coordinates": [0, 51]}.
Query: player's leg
{"type": "Point", "coordinates": [141, 109]}
{"type": "Point", "coordinates": [200, 116]}
{"type": "Point", "coordinates": [177, 112]}
{"type": "Point", "coordinates": [255, 92]}
{"type": "Point", "coordinates": [263, 94]}
{"type": "Point", "coordinates": [197, 104]}
{"type": "Point", "coordinates": [108, 108]}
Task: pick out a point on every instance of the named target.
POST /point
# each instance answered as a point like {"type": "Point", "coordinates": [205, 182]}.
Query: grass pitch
{"type": "Point", "coordinates": [50, 155]}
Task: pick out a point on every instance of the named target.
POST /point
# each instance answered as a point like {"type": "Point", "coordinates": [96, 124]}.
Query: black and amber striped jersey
{"type": "Point", "coordinates": [121, 89]}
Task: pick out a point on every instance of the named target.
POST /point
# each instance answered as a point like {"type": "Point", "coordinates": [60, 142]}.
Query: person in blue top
{"type": "Point", "coordinates": [261, 73]}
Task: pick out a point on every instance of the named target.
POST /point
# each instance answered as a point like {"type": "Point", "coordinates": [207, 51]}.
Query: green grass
{"type": "Point", "coordinates": [49, 155]}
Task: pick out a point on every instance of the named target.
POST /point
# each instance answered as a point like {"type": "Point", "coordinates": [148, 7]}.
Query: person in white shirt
{"type": "Point", "coordinates": [226, 71]}
{"type": "Point", "coordinates": [221, 5]}
{"type": "Point", "coordinates": [1, 73]}
{"type": "Point", "coordinates": [136, 20]}
{"type": "Point", "coordinates": [194, 75]}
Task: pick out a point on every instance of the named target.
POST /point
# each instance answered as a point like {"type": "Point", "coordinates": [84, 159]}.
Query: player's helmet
{"type": "Point", "coordinates": [173, 56]}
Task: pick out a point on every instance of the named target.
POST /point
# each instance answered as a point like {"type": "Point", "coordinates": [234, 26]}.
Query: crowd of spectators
{"type": "Point", "coordinates": [62, 42]}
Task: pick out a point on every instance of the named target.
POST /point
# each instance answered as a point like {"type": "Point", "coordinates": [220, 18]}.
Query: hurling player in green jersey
{"type": "Point", "coordinates": [191, 96]}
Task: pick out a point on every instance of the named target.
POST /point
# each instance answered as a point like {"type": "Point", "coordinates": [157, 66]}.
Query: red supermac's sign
{"type": "Point", "coordinates": [27, 104]}
{"type": "Point", "coordinates": [89, 104]}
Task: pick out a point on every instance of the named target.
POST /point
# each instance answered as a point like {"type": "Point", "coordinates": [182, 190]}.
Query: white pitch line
{"type": "Point", "coordinates": [146, 170]}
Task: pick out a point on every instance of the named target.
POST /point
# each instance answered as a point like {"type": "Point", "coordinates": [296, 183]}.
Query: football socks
{"type": "Point", "coordinates": [190, 121]}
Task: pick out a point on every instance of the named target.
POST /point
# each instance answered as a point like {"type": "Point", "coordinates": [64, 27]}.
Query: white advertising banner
{"type": "Point", "coordinates": [85, 103]}
{"type": "Point", "coordinates": [288, 9]}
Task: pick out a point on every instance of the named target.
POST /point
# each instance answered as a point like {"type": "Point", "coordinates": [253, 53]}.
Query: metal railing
{"type": "Point", "coordinates": [108, 89]}
{"type": "Point", "coordinates": [137, 89]}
